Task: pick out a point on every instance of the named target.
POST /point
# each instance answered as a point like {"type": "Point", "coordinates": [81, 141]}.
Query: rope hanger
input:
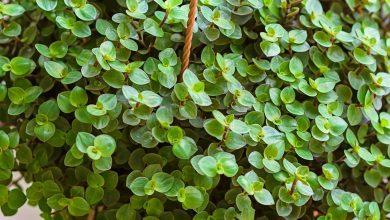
{"type": "Point", "coordinates": [185, 60]}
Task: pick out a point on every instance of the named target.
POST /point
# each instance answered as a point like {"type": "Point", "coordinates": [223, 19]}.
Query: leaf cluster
{"type": "Point", "coordinates": [283, 113]}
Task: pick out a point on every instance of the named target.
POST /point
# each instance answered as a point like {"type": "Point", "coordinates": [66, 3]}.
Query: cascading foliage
{"type": "Point", "coordinates": [282, 113]}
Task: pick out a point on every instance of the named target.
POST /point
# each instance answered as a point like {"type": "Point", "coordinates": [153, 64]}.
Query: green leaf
{"type": "Point", "coordinates": [212, 33]}
{"type": "Point", "coordinates": [138, 185]}
{"type": "Point", "coordinates": [225, 121]}
{"type": "Point", "coordinates": [58, 49]}
{"type": "Point", "coordinates": [3, 195]}
{"type": "Point", "coordinates": [297, 36]}
{"type": "Point", "coordinates": [208, 165]}
{"type": "Point", "coordinates": [105, 144]}
{"type": "Point", "coordinates": [107, 101]}
{"type": "Point", "coordinates": [150, 99]}
{"type": "Point", "coordinates": [326, 183]}
{"type": "Point", "coordinates": [3, 92]}
{"type": "Point", "coordinates": [107, 49]}
{"type": "Point", "coordinates": [304, 153]}
{"type": "Point", "coordinates": [94, 194]}
{"type": "Point", "coordinates": [12, 9]}
{"type": "Point", "coordinates": [55, 69]}
{"type": "Point", "coordinates": [4, 140]}
{"type": "Point", "coordinates": [208, 56]}
{"type": "Point", "coordinates": [191, 197]}
{"type": "Point", "coordinates": [32, 93]}
{"type": "Point", "coordinates": [43, 49]}
{"type": "Point", "coordinates": [196, 89]}
{"type": "Point", "coordinates": [335, 54]}
{"type": "Point", "coordinates": [7, 158]}
{"type": "Point", "coordinates": [214, 128]}
{"type": "Point", "coordinates": [83, 141]}
{"type": "Point", "coordinates": [50, 188]}
{"type": "Point", "coordinates": [50, 109]}
{"type": "Point", "coordinates": [385, 163]}
{"type": "Point", "coordinates": [166, 76]}
{"type": "Point", "coordinates": [78, 97]}
{"type": "Point", "coordinates": [16, 95]}
{"type": "Point", "coordinates": [296, 66]}
{"type": "Point", "coordinates": [270, 49]}
{"type": "Point", "coordinates": [175, 134]}
{"type": "Point", "coordinates": [103, 163]}
{"type": "Point", "coordinates": [16, 199]}
{"type": "Point", "coordinates": [95, 180]}
{"type": "Point", "coordinates": [129, 44]}
{"type": "Point", "coordinates": [330, 171]}
{"type": "Point", "coordinates": [256, 159]}
{"type": "Point", "coordinates": [234, 141]}
{"type": "Point", "coordinates": [185, 148]}
{"type": "Point", "coordinates": [337, 125]}
{"type": "Point", "coordinates": [81, 29]}
{"type": "Point", "coordinates": [246, 183]}
{"type": "Point", "coordinates": [239, 127]}
{"type": "Point", "coordinates": [86, 13]}
{"type": "Point", "coordinates": [386, 203]}
{"type": "Point", "coordinates": [226, 164]}
{"type": "Point", "coordinates": [264, 197]}
{"type": "Point", "coordinates": [354, 115]}
{"type": "Point", "coordinates": [322, 38]}
{"type": "Point", "coordinates": [152, 27]}
{"type": "Point", "coordinates": [362, 57]}
{"type": "Point", "coordinates": [324, 85]}
{"type": "Point", "coordinates": [21, 66]}
{"type": "Point", "coordinates": [283, 209]}
{"type": "Point", "coordinates": [139, 77]}
{"type": "Point", "coordinates": [372, 178]}
{"type": "Point", "coordinates": [24, 155]}
{"type": "Point", "coordinates": [164, 116]}
{"type": "Point", "coordinates": [304, 189]}
{"type": "Point", "coordinates": [287, 95]}
{"type": "Point", "coordinates": [12, 30]}
{"type": "Point", "coordinates": [163, 181]}
{"type": "Point", "coordinates": [45, 132]}
{"type": "Point", "coordinates": [365, 154]}
{"type": "Point", "coordinates": [126, 212]}
{"type": "Point", "coordinates": [168, 57]}
{"type": "Point", "coordinates": [271, 165]}
{"type": "Point", "coordinates": [78, 206]}
{"type": "Point", "coordinates": [271, 112]}
{"type": "Point", "coordinates": [47, 5]}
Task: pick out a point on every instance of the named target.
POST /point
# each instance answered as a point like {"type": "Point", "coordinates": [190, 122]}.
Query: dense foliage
{"type": "Point", "coordinates": [283, 112]}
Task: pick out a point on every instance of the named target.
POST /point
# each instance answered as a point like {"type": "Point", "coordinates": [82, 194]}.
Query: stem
{"type": "Point", "coordinates": [140, 37]}
{"type": "Point", "coordinates": [225, 133]}
{"type": "Point", "coordinates": [66, 87]}
{"type": "Point", "coordinates": [294, 184]}
{"type": "Point", "coordinates": [151, 45]}
{"type": "Point", "coordinates": [57, 211]}
{"type": "Point", "coordinates": [341, 159]}
{"type": "Point", "coordinates": [164, 19]}
{"type": "Point", "coordinates": [92, 214]}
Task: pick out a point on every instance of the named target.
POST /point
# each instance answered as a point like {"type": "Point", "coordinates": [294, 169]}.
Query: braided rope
{"type": "Point", "coordinates": [185, 60]}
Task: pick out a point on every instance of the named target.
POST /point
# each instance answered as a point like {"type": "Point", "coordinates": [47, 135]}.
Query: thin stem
{"type": "Point", "coordinates": [164, 19]}
{"type": "Point", "coordinates": [92, 214]}
{"type": "Point", "coordinates": [294, 184]}
{"type": "Point", "coordinates": [57, 211]}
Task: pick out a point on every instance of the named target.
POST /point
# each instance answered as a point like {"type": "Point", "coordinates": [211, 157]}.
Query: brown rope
{"type": "Point", "coordinates": [185, 60]}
